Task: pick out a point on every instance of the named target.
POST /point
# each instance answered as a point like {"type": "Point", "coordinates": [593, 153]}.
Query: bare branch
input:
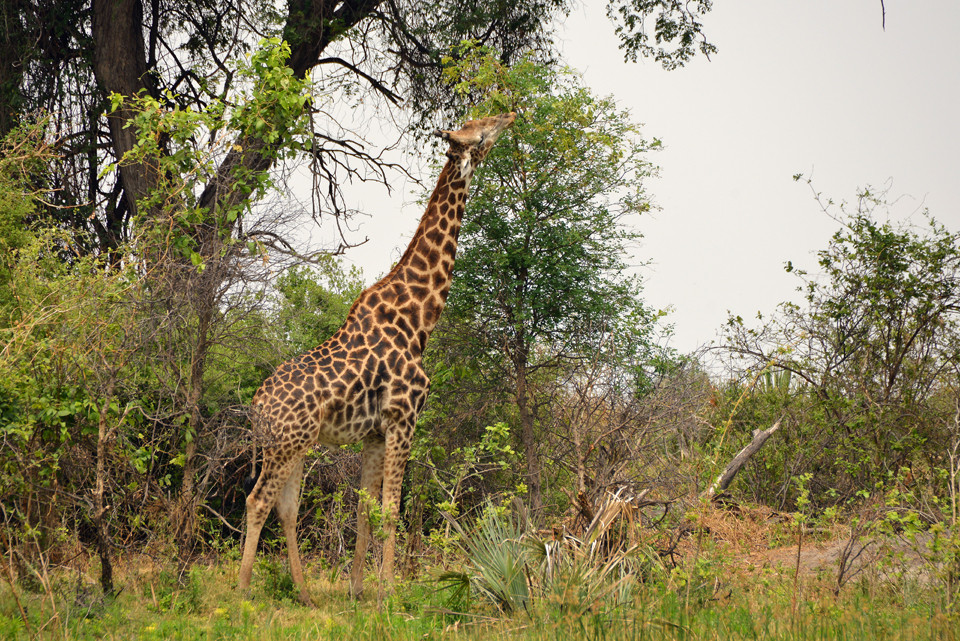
{"type": "Point", "coordinates": [723, 481]}
{"type": "Point", "coordinates": [376, 84]}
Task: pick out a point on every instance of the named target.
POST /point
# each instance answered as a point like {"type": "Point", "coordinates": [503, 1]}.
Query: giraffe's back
{"type": "Point", "coordinates": [339, 392]}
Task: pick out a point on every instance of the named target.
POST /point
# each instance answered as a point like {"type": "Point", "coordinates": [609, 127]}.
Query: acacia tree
{"type": "Point", "coordinates": [540, 278]}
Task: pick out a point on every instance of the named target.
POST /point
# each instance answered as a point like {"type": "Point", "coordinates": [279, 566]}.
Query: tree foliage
{"type": "Point", "coordinates": [544, 241]}
{"type": "Point", "coordinates": [676, 33]}
{"type": "Point", "coordinates": [313, 303]}
{"type": "Point", "coordinates": [359, 53]}
{"type": "Point", "coordinates": [540, 278]}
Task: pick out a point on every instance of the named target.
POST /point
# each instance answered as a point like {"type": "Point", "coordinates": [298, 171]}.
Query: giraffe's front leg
{"type": "Point", "coordinates": [371, 478]}
{"type": "Point", "coordinates": [398, 441]}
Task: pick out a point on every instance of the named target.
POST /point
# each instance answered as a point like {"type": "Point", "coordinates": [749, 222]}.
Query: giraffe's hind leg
{"type": "Point", "coordinates": [371, 479]}
{"type": "Point", "coordinates": [258, 507]}
{"type": "Point", "coordinates": [288, 508]}
{"type": "Point", "coordinates": [259, 503]}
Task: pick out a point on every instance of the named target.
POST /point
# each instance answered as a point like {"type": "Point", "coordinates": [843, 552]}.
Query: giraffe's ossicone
{"type": "Point", "coordinates": [367, 382]}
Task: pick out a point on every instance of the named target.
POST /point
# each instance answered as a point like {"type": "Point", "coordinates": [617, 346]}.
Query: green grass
{"type": "Point", "coordinates": [206, 605]}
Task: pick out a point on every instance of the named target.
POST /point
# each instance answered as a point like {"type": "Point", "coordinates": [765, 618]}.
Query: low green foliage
{"type": "Point", "coordinates": [498, 564]}
{"type": "Point", "coordinates": [169, 594]}
{"type": "Point", "coordinates": [512, 566]}
{"type": "Point", "coordinates": [277, 582]}
{"type": "Point", "coordinates": [153, 604]}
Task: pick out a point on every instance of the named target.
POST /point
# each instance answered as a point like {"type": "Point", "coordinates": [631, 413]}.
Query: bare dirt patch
{"type": "Point", "coordinates": [885, 558]}
{"type": "Point", "coordinates": [754, 537]}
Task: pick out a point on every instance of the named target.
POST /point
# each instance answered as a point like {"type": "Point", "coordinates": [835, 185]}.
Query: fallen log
{"type": "Point", "coordinates": [724, 480]}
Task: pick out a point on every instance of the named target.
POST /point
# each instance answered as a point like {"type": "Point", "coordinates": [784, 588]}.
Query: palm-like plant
{"type": "Point", "coordinates": [511, 565]}
{"type": "Point", "coordinates": [496, 562]}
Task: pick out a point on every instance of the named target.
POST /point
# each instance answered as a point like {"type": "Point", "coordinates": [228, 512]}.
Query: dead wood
{"type": "Point", "coordinates": [723, 481]}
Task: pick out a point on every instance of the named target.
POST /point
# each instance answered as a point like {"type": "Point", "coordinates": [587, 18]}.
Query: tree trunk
{"type": "Point", "coordinates": [120, 66]}
{"type": "Point", "coordinates": [529, 439]}
{"type": "Point", "coordinates": [99, 504]}
{"type": "Point", "coordinates": [581, 457]}
{"type": "Point", "coordinates": [12, 59]}
{"type": "Point", "coordinates": [186, 509]}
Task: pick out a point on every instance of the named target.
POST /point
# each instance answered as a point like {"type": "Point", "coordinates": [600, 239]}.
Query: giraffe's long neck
{"type": "Point", "coordinates": [425, 270]}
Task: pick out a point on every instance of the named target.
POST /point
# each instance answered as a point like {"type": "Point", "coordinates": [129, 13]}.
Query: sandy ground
{"type": "Point", "coordinates": [888, 558]}
{"type": "Point", "coordinates": [751, 536]}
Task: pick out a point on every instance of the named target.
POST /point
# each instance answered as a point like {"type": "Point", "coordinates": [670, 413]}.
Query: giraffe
{"type": "Point", "coordinates": [366, 383]}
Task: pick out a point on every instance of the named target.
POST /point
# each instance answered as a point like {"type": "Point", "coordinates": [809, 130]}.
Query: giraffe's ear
{"type": "Point", "coordinates": [440, 133]}
{"type": "Point", "coordinates": [465, 163]}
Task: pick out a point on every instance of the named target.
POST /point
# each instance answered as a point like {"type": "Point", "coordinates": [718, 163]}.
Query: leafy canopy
{"type": "Point", "coordinates": [547, 230]}
{"type": "Point", "coordinates": [314, 302]}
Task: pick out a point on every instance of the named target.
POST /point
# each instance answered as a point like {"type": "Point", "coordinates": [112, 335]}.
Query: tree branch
{"type": "Point", "coordinates": [723, 481]}
{"type": "Point", "coordinates": [379, 86]}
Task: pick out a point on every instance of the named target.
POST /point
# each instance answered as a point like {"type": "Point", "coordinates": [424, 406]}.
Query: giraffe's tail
{"type": "Point", "coordinates": [251, 481]}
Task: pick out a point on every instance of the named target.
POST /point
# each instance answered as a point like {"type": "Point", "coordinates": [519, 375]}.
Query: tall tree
{"type": "Point", "coordinates": [181, 53]}
{"type": "Point", "coordinates": [541, 279]}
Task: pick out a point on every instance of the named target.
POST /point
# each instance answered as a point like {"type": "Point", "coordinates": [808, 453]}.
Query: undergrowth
{"type": "Point", "coordinates": [710, 594]}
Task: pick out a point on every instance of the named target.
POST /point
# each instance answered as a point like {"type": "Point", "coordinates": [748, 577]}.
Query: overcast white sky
{"type": "Point", "coordinates": [798, 86]}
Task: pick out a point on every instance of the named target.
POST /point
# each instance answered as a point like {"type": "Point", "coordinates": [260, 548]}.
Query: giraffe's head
{"type": "Point", "coordinates": [471, 144]}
